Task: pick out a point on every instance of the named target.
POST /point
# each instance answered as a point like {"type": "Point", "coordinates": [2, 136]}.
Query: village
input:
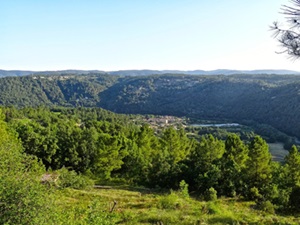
{"type": "Point", "coordinates": [159, 122]}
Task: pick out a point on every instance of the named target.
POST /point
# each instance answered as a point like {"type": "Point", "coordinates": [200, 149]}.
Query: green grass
{"type": "Point", "coordinates": [278, 152]}
{"type": "Point", "coordinates": [135, 207]}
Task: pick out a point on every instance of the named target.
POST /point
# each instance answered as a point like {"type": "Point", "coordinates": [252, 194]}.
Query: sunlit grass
{"type": "Point", "coordinates": [134, 207]}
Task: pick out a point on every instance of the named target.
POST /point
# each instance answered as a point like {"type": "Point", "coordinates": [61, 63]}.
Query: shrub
{"type": "Point", "coordinates": [210, 195]}
{"type": "Point", "coordinates": [266, 206]}
{"type": "Point", "coordinates": [183, 189]}
{"type": "Point", "coordinates": [283, 199]}
{"type": "Point", "coordinates": [170, 201]}
{"type": "Point", "coordinates": [73, 180]}
{"type": "Point", "coordinates": [254, 194]}
{"type": "Point", "coordinates": [23, 199]}
{"type": "Point", "coordinates": [212, 208]}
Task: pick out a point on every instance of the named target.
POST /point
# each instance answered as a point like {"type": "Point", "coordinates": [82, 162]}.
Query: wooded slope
{"type": "Point", "coordinates": [268, 99]}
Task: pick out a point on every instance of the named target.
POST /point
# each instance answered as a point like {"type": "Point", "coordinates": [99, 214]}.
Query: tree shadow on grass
{"type": "Point", "coordinates": [223, 220]}
{"type": "Point", "coordinates": [142, 190]}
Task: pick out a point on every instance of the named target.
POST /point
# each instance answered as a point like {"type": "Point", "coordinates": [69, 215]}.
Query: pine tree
{"type": "Point", "coordinates": [233, 163]}
{"type": "Point", "coordinates": [292, 167]}
{"type": "Point", "coordinates": [204, 163]}
{"type": "Point", "coordinates": [258, 170]}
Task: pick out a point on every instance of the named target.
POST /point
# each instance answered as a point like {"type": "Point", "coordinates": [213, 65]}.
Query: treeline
{"type": "Point", "coordinates": [105, 146]}
{"type": "Point", "coordinates": [246, 132]}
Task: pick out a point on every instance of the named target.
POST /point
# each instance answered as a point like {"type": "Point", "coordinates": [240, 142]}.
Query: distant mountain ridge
{"type": "Point", "coordinates": [13, 73]}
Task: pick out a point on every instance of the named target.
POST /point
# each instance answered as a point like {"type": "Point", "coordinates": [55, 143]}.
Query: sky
{"type": "Point", "coordinates": [140, 34]}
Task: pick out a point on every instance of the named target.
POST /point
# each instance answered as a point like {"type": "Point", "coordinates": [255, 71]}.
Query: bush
{"type": "Point", "coordinates": [183, 189]}
{"type": "Point", "coordinates": [254, 194]}
{"type": "Point", "coordinates": [23, 199]}
{"type": "Point", "coordinates": [266, 206]}
{"type": "Point", "coordinates": [171, 201]}
{"type": "Point", "coordinates": [283, 199]}
{"type": "Point", "coordinates": [210, 195]}
{"type": "Point", "coordinates": [212, 208]}
{"type": "Point", "coordinates": [73, 180]}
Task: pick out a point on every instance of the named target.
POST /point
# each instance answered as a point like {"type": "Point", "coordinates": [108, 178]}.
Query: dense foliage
{"type": "Point", "coordinates": [23, 200]}
{"type": "Point", "coordinates": [29, 194]}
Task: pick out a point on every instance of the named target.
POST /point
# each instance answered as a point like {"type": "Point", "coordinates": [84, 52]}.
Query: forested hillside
{"type": "Point", "coordinates": [64, 90]}
{"type": "Point", "coordinates": [73, 145]}
{"type": "Point", "coordinates": [268, 99]}
{"type": "Point", "coordinates": [272, 100]}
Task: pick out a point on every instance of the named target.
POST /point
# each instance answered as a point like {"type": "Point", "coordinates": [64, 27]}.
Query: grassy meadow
{"type": "Point", "coordinates": [145, 207]}
{"type": "Point", "coordinates": [278, 152]}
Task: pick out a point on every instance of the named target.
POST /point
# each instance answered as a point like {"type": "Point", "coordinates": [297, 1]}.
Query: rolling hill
{"type": "Point", "coordinates": [268, 99]}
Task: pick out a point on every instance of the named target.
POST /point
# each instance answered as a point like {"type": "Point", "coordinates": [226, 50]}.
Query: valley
{"type": "Point", "coordinates": [158, 149]}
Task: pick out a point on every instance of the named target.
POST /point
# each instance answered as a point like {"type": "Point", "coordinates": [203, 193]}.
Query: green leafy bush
{"type": "Point", "coordinates": [254, 194]}
{"type": "Point", "coordinates": [210, 195]}
{"type": "Point", "coordinates": [23, 199]}
{"type": "Point", "coordinates": [266, 206]}
{"type": "Point", "coordinates": [73, 180]}
{"type": "Point", "coordinates": [183, 189]}
{"type": "Point", "coordinates": [171, 201]}
{"type": "Point", "coordinates": [212, 208]}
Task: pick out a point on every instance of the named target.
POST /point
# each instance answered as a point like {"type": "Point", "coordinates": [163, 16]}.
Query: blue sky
{"type": "Point", "coordinates": [140, 34]}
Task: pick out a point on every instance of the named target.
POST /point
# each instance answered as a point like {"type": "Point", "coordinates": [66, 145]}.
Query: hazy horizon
{"type": "Point", "coordinates": [149, 70]}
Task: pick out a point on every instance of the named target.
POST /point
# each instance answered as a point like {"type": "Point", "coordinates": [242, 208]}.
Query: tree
{"type": "Point", "coordinates": [204, 163]}
{"type": "Point", "coordinates": [37, 140]}
{"type": "Point", "coordinates": [67, 155]}
{"type": "Point", "coordinates": [110, 153]}
{"type": "Point", "coordinates": [287, 179]}
{"type": "Point", "coordinates": [176, 143]}
{"type": "Point", "coordinates": [289, 38]}
{"type": "Point", "coordinates": [166, 167]}
{"type": "Point", "coordinates": [141, 152]}
{"type": "Point", "coordinates": [233, 163]}
{"type": "Point", "coordinates": [258, 170]}
{"type": "Point", "coordinates": [87, 149]}
{"type": "Point", "coordinates": [292, 167]}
